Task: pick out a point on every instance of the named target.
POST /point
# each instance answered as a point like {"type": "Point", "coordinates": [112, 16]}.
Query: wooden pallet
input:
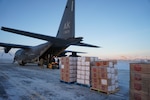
{"type": "Point", "coordinates": [108, 92]}
{"type": "Point", "coordinates": [95, 89]}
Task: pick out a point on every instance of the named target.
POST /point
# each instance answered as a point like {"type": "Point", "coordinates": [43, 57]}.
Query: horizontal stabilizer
{"type": "Point", "coordinates": [74, 53]}
{"type": "Point", "coordinates": [86, 45]}
{"type": "Point", "coordinates": [66, 51]}
{"type": "Point", "coordinates": [14, 45]}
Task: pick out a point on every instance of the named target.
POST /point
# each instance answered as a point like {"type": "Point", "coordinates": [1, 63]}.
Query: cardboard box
{"type": "Point", "coordinates": [67, 79]}
{"type": "Point", "coordinates": [93, 59]}
{"type": "Point", "coordinates": [66, 59]}
{"type": "Point", "coordinates": [95, 80]}
{"type": "Point", "coordinates": [78, 72]}
{"type": "Point", "coordinates": [95, 86]}
{"type": "Point", "coordinates": [105, 88]}
{"type": "Point", "coordinates": [79, 63]}
{"type": "Point", "coordinates": [105, 69]}
{"type": "Point", "coordinates": [87, 82]}
{"type": "Point", "coordinates": [79, 67]}
{"type": "Point", "coordinates": [83, 59]}
{"type": "Point", "coordinates": [139, 81]}
{"type": "Point", "coordinates": [69, 61]}
{"type": "Point", "coordinates": [82, 77]}
{"type": "Point", "coordinates": [87, 63]}
{"type": "Point", "coordinates": [134, 76]}
{"type": "Point", "coordinates": [105, 75]}
{"type": "Point", "coordinates": [83, 63]}
{"type": "Point", "coordinates": [82, 72]}
{"type": "Point", "coordinates": [83, 68]}
{"type": "Point", "coordinates": [80, 81]}
{"type": "Point", "coordinates": [87, 68]}
{"type": "Point", "coordinates": [70, 71]}
{"type": "Point", "coordinates": [103, 64]}
{"type": "Point", "coordinates": [140, 67]}
{"type": "Point", "coordinates": [95, 75]}
{"type": "Point", "coordinates": [87, 77]}
{"type": "Point", "coordinates": [136, 95]}
{"type": "Point", "coordinates": [106, 82]}
{"type": "Point", "coordinates": [62, 77]}
{"type": "Point", "coordinates": [95, 69]}
{"type": "Point", "coordinates": [78, 76]}
{"type": "Point", "coordinates": [87, 73]}
{"type": "Point", "coordinates": [62, 70]}
{"type": "Point", "coordinates": [68, 75]}
{"type": "Point", "coordinates": [140, 86]}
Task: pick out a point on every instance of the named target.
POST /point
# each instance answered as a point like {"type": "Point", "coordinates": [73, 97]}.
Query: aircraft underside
{"type": "Point", "coordinates": [45, 58]}
{"type": "Point", "coordinates": [48, 55]}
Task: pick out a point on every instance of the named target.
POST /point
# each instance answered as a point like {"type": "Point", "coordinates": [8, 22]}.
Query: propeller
{"type": "Point", "coordinates": [4, 52]}
{"type": "Point", "coordinates": [5, 57]}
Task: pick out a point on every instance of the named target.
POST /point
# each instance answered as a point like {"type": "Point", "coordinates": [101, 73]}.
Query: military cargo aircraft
{"type": "Point", "coordinates": [55, 46]}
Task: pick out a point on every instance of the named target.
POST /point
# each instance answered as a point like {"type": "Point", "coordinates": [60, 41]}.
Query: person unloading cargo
{"type": "Point", "coordinates": [55, 62]}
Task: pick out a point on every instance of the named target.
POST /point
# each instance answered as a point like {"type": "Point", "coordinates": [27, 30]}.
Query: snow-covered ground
{"type": "Point", "coordinates": [31, 82]}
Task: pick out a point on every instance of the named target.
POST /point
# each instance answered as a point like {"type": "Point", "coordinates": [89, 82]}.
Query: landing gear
{"type": "Point", "coordinates": [41, 62]}
{"type": "Point", "coordinates": [22, 63]}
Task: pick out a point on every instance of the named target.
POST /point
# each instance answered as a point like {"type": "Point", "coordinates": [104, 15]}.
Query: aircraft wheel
{"type": "Point", "coordinates": [22, 63]}
{"type": "Point", "coordinates": [41, 62]}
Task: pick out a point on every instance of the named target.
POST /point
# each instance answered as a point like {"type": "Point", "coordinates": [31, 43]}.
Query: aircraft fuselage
{"type": "Point", "coordinates": [35, 53]}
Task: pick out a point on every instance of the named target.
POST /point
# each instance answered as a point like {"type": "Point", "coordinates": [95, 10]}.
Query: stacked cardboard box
{"type": "Point", "coordinates": [104, 76]}
{"type": "Point", "coordinates": [68, 69]}
{"type": "Point", "coordinates": [139, 81]}
{"type": "Point", "coordinates": [83, 70]}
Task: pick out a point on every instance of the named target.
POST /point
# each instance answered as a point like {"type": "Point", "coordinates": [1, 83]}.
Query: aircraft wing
{"type": "Point", "coordinates": [86, 45]}
{"type": "Point", "coordinates": [35, 35]}
{"type": "Point", "coordinates": [47, 38]}
{"type": "Point", "coordinates": [14, 45]}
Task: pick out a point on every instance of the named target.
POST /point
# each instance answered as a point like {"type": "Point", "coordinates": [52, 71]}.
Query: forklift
{"type": "Point", "coordinates": [53, 63]}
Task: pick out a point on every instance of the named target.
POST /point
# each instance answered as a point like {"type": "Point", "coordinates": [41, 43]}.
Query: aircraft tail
{"type": "Point", "coordinates": [67, 25]}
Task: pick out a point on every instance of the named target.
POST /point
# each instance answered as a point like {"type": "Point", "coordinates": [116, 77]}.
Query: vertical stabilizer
{"type": "Point", "coordinates": [67, 25]}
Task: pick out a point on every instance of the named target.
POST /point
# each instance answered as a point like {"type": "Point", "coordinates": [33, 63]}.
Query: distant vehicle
{"type": "Point", "coordinates": [54, 47]}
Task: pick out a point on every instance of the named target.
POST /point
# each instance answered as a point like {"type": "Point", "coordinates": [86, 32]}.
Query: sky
{"type": "Point", "coordinates": [120, 27]}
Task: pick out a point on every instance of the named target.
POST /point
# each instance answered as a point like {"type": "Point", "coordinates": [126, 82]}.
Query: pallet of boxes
{"type": "Point", "coordinates": [84, 70]}
{"type": "Point", "coordinates": [104, 76]}
{"type": "Point", "coordinates": [139, 81]}
{"type": "Point", "coordinates": [68, 71]}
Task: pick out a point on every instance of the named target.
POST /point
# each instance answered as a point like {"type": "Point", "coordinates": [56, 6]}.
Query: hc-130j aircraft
{"type": "Point", "coordinates": [54, 45]}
